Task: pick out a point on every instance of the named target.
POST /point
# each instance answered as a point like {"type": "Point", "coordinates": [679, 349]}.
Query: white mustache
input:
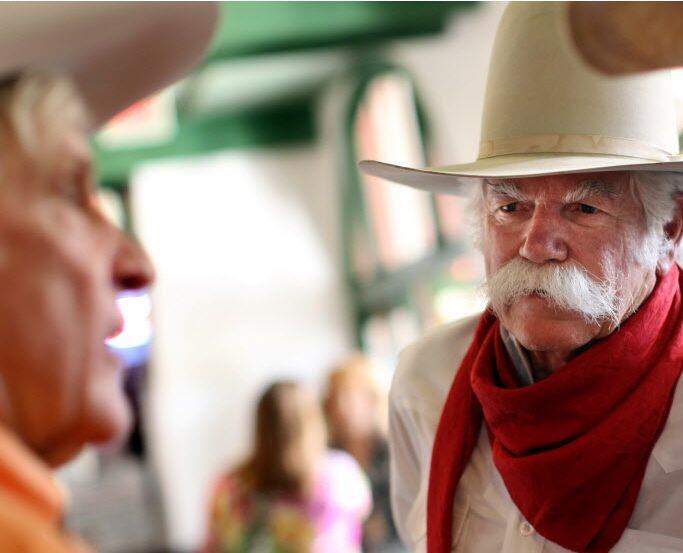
{"type": "Point", "coordinates": [567, 285]}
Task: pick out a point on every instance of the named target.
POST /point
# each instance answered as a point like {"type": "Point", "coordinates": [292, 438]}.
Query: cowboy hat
{"type": "Point", "coordinates": [547, 113]}
{"type": "Point", "coordinates": [116, 52]}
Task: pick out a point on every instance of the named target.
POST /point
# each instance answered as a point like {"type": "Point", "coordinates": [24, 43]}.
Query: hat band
{"type": "Point", "coordinates": [572, 144]}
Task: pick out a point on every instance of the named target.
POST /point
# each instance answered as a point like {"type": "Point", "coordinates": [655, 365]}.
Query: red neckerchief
{"type": "Point", "coordinates": [572, 449]}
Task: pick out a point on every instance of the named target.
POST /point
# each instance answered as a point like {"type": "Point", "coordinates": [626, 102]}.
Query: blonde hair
{"type": "Point", "coordinates": [289, 439]}
{"type": "Point", "coordinates": [355, 371]}
{"type": "Point", "coordinates": [37, 108]}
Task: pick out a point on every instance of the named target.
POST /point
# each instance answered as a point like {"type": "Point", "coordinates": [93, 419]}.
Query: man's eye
{"type": "Point", "coordinates": [587, 209]}
{"type": "Point", "coordinates": [74, 184]}
{"type": "Point", "coordinates": [509, 208]}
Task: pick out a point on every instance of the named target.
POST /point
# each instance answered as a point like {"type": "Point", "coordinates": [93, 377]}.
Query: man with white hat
{"type": "Point", "coordinates": [64, 69]}
{"type": "Point", "coordinates": [554, 420]}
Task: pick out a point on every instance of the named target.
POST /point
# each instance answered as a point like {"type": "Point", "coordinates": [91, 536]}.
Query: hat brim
{"type": "Point", "coordinates": [458, 179]}
{"type": "Point", "coordinates": [116, 52]}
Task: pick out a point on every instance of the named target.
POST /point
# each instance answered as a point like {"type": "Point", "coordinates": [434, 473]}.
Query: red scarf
{"type": "Point", "coordinates": [572, 449]}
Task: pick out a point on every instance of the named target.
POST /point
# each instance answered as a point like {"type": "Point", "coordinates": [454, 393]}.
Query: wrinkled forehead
{"type": "Point", "coordinates": [567, 188]}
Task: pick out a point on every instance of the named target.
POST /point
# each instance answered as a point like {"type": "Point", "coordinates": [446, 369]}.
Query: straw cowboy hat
{"type": "Point", "coordinates": [546, 112]}
{"type": "Point", "coordinates": [117, 52]}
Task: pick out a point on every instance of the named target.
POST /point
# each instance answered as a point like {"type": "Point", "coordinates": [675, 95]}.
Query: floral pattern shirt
{"type": "Point", "coordinates": [329, 521]}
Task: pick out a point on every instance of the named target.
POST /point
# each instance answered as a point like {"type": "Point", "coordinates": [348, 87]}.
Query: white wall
{"type": "Point", "coordinates": [247, 291]}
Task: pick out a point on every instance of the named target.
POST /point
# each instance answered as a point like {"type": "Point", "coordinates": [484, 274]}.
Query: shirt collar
{"type": "Point", "coordinates": [669, 447]}
{"type": "Point", "coordinates": [518, 356]}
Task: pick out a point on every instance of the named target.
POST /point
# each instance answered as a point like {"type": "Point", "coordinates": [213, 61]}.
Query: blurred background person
{"type": "Point", "coordinates": [355, 409]}
{"type": "Point", "coordinates": [291, 494]}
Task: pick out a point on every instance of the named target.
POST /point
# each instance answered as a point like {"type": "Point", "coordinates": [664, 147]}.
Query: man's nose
{"type": "Point", "coordinates": [133, 268]}
{"type": "Point", "coordinates": [544, 240]}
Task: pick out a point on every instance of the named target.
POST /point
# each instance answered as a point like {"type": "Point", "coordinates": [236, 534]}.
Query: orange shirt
{"type": "Point", "coordinates": [31, 503]}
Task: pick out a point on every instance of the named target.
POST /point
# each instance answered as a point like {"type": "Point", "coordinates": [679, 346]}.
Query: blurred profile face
{"type": "Point", "coordinates": [61, 267]}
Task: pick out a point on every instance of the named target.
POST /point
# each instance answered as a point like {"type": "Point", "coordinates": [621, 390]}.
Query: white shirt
{"type": "Point", "coordinates": [485, 518]}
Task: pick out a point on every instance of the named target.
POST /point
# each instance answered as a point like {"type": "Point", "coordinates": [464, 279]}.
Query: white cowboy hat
{"type": "Point", "coordinates": [117, 52]}
{"type": "Point", "coordinates": [546, 112]}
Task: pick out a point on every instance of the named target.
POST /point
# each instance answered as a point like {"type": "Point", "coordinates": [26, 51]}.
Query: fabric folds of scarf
{"type": "Point", "coordinates": [572, 449]}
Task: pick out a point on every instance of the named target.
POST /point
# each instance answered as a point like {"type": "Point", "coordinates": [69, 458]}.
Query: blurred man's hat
{"type": "Point", "coordinates": [117, 52]}
{"type": "Point", "coordinates": [547, 113]}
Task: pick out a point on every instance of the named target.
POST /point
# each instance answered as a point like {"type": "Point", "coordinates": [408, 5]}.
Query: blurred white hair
{"type": "Point", "coordinates": [37, 108]}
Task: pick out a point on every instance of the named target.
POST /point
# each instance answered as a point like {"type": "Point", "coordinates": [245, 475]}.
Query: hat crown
{"type": "Point", "coordinates": [541, 97]}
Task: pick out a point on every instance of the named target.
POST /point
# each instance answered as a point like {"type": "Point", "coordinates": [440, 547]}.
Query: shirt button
{"type": "Point", "coordinates": [526, 529]}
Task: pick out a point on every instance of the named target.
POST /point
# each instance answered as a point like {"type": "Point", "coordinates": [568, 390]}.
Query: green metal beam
{"type": "Point", "coordinates": [248, 28]}
{"type": "Point", "coordinates": [272, 126]}
{"type": "Point", "coordinates": [390, 290]}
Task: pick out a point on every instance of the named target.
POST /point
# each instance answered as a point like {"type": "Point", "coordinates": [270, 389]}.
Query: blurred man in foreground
{"type": "Point", "coordinates": [61, 262]}
{"type": "Point", "coordinates": [553, 421]}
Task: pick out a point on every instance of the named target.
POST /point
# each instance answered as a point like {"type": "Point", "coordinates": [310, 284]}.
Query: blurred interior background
{"type": "Point", "coordinates": [275, 257]}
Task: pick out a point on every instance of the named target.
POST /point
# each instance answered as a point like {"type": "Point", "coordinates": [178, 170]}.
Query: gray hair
{"type": "Point", "coordinates": [656, 191]}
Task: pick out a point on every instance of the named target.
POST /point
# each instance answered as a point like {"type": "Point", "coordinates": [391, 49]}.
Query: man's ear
{"type": "Point", "coordinates": [674, 232]}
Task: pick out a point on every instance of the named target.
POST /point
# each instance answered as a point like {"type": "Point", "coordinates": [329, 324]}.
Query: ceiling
{"type": "Point", "coordinates": [267, 63]}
